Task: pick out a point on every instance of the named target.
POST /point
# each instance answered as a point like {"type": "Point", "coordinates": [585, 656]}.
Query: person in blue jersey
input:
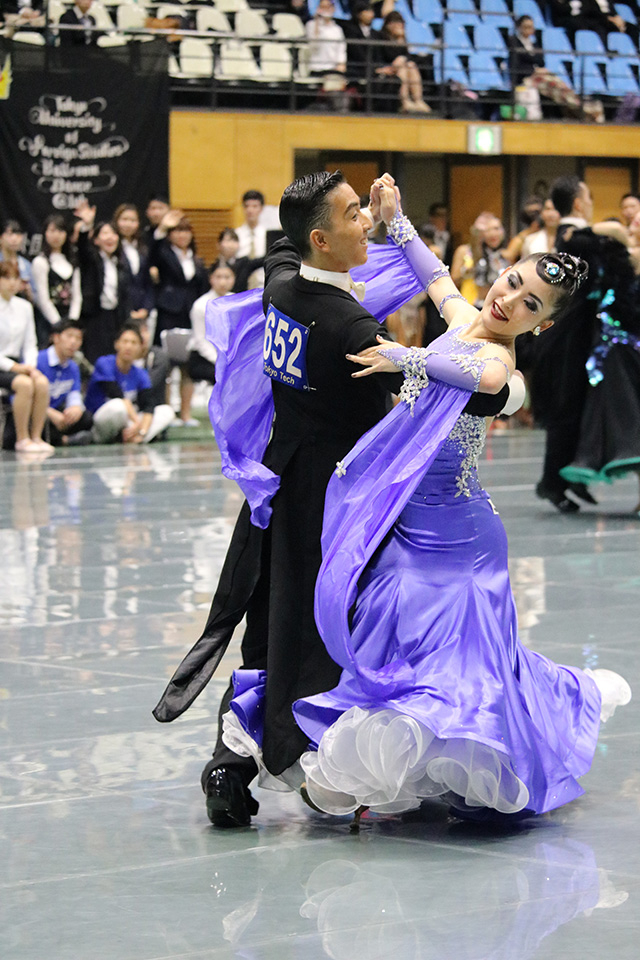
{"type": "Point", "coordinates": [66, 413]}
{"type": "Point", "coordinates": [119, 394]}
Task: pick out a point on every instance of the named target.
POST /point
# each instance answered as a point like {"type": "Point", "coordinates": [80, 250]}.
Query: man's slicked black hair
{"type": "Point", "coordinates": [564, 190]}
{"type": "Point", "coordinates": [304, 207]}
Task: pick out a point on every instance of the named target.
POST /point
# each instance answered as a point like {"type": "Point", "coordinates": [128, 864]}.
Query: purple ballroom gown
{"type": "Point", "coordinates": [438, 697]}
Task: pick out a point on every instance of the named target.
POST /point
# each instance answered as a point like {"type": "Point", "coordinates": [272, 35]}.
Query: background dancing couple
{"type": "Point", "coordinates": [381, 663]}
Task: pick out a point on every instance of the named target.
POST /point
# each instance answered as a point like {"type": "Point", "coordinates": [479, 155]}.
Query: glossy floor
{"type": "Point", "coordinates": [109, 559]}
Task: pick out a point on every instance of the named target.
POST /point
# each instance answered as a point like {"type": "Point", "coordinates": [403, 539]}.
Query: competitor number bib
{"type": "Point", "coordinates": [285, 350]}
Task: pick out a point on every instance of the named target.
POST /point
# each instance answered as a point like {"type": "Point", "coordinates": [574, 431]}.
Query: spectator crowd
{"type": "Point", "coordinates": [91, 328]}
{"type": "Point", "coordinates": [489, 59]}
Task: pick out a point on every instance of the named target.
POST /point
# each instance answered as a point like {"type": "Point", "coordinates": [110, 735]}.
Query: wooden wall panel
{"type": "Point", "coordinates": [207, 226]}
{"type": "Point", "coordinates": [473, 188]}
{"type": "Point", "coordinates": [607, 185]}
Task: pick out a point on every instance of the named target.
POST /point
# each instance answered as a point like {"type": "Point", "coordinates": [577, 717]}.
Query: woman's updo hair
{"type": "Point", "coordinates": [562, 271]}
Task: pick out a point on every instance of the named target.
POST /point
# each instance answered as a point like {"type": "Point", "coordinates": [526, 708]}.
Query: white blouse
{"type": "Point", "coordinates": [17, 333]}
{"type": "Point", "coordinates": [64, 269]}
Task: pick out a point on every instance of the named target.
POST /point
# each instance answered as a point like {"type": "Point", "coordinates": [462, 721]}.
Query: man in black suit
{"type": "Point", "coordinates": [270, 575]}
{"type": "Point", "coordinates": [560, 381]}
{"type": "Point", "coordinates": [78, 16]}
{"type": "Point", "coordinates": [361, 60]}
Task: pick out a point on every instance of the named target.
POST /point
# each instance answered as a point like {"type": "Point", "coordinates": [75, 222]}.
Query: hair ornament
{"type": "Point", "coordinates": [563, 268]}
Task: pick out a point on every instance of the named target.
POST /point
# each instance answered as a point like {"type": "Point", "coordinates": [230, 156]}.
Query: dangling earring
{"type": "Point", "coordinates": [537, 331]}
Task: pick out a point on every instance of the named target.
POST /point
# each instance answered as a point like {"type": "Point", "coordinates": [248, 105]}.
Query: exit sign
{"type": "Point", "coordinates": [484, 139]}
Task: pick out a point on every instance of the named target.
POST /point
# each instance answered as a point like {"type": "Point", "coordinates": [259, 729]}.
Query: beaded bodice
{"type": "Point", "coordinates": [453, 475]}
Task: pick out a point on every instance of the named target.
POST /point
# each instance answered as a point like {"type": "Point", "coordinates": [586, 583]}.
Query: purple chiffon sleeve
{"type": "Point", "coordinates": [241, 405]}
{"type": "Point", "coordinates": [364, 498]}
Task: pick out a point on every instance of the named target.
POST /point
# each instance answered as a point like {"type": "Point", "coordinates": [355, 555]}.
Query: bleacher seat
{"type": "Point", "coordinates": [102, 17]}
{"type": "Point", "coordinates": [621, 78]}
{"type": "Point", "coordinates": [587, 41]}
{"type": "Point", "coordinates": [130, 16]}
{"type": "Point", "coordinates": [251, 23]}
{"type": "Point", "coordinates": [625, 12]}
{"type": "Point", "coordinates": [419, 34]}
{"type": "Point", "coordinates": [236, 62]}
{"type": "Point", "coordinates": [425, 11]}
{"type": "Point", "coordinates": [555, 40]}
{"type": "Point", "coordinates": [56, 9]}
{"type": "Point", "coordinates": [454, 7]}
{"type": "Point", "coordinates": [276, 65]}
{"type": "Point", "coordinates": [464, 19]}
{"type": "Point", "coordinates": [496, 13]}
{"type": "Point", "coordinates": [167, 10]}
{"type": "Point", "coordinates": [488, 37]}
{"type": "Point", "coordinates": [210, 18]}
{"type": "Point", "coordinates": [452, 68]}
{"type": "Point", "coordinates": [484, 73]}
{"type": "Point", "coordinates": [529, 8]}
{"type": "Point", "coordinates": [288, 25]}
{"type": "Point", "coordinates": [26, 36]}
{"type": "Point", "coordinates": [557, 63]}
{"type": "Point", "coordinates": [196, 58]}
{"type": "Point", "coordinates": [231, 6]}
{"type": "Point", "coordinates": [455, 37]}
{"type": "Point", "coordinates": [623, 44]}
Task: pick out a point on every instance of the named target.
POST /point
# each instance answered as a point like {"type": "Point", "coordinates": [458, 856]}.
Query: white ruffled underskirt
{"type": "Point", "coordinates": [390, 762]}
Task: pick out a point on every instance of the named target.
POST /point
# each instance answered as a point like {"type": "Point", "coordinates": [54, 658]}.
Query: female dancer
{"type": "Point", "coordinates": [437, 695]}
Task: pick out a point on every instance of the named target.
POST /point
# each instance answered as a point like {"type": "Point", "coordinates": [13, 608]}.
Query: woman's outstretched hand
{"type": "Point", "coordinates": [372, 360]}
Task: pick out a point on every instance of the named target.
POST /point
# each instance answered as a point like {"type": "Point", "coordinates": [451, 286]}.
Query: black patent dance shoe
{"type": "Point", "coordinates": [558, 498]}
{"type": "Point", "coordinates": [582, 491]}
{"type": "Point", "coordinates": [229, 802]}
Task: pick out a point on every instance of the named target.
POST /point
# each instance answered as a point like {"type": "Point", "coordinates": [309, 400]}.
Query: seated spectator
{"type": "Point", "coordinates": [243, 267]}
{"type": "Point", "coordinates": [526, 67]}
{"type": "Point", "coordinates": [361, 57]}
{"type": "Point", "coordinates": [119, 394]}
{"type": "Point", "coordinates": [56, 277]}
{"type": "Point", "coordinates": [203, 354]}
{"type": "Point", "coordinates": [182, 278]}
{"type": "Point", "coordinates": [597, 15]}
{"type": "Point", "coordinates": [327, 50]}
{"type": "Point", "coordinates": [78, 16]}
{"type": "Point", "coordinates": [22, 14]}
{"type": "Point", "coordinates": [126, 221]}
{"type": "Point", "coordinates": [19, 377]}
{"type": "Point", "coordinates": [629, 208]}
{"type": "Point", "coordinates": [489, 255]}
{"type": "Point", "coordinates": [66, 414]}
{"type": "Point", "coordinates": [544, 241]}
{"type": "Point", "coordinates": [397, 62]}
{"type": "Point", "coordinates": [105, 280]}
{"type": "Point", "coordinates": [11, 245]}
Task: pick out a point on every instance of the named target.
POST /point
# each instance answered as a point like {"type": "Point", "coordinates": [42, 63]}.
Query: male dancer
{"type": "Point", "coordinates": [270, 575]}
{"type": "Point", "coordinates": [560, 382]}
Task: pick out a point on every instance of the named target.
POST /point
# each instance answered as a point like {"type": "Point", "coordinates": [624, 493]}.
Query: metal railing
{"type": "Point", "coordinates": [223, 70]}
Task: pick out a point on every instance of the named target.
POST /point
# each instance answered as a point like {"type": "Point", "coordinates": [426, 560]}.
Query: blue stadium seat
{"type": "Point", "coordinates": [621, 79]}
{"type": "Point", "coordinates": [529, 8]}
{"type": "Point", "coordinates": [488, 37]}
{"type": "Point", "coordinates": [622, 43]}
{"type": "Point", "coordinates": [556, 63]}
{"type": "Point", "coordinates": [625, 12]}
{"type": "Point", "coordinates": [425, 11]}
{"type": "Point", "coordinates": [497, 13]}
{"type": "Point", "coordinates": [555, 40]}
{"type": "Point", "coordinates": [460, 6]}
{"type": "Point", "coordinates": [418, 34]}
{"type": "Point", "coordinates": [588, 77]}
{"type": "Point", "coordinates": [453, 69]}
{"type": "Point", "coordinates": [455, 36]}
{"type": "Point", "coordinates": [464, 19]}
{"type": "Point", "coordinates": [484, 73]}
{"type": "Point", "coordinates": [587, 41]}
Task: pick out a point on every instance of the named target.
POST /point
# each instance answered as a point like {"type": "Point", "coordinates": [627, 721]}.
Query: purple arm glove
{"type": "Point", "coordinates": [427, 267]}
{"type": "Point", "coordinates": [419, 364]}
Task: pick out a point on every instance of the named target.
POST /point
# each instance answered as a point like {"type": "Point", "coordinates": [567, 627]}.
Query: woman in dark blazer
{"type": "Point", "coordinates": [105, 279]}
{"type": "Point", "coordinates": [126, 221]}
{"type": "Point", "coordinates": [181, 279]}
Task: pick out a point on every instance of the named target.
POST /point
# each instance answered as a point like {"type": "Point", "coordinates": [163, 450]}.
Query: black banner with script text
{"type": "Point", "coordinates": [81, 123]}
